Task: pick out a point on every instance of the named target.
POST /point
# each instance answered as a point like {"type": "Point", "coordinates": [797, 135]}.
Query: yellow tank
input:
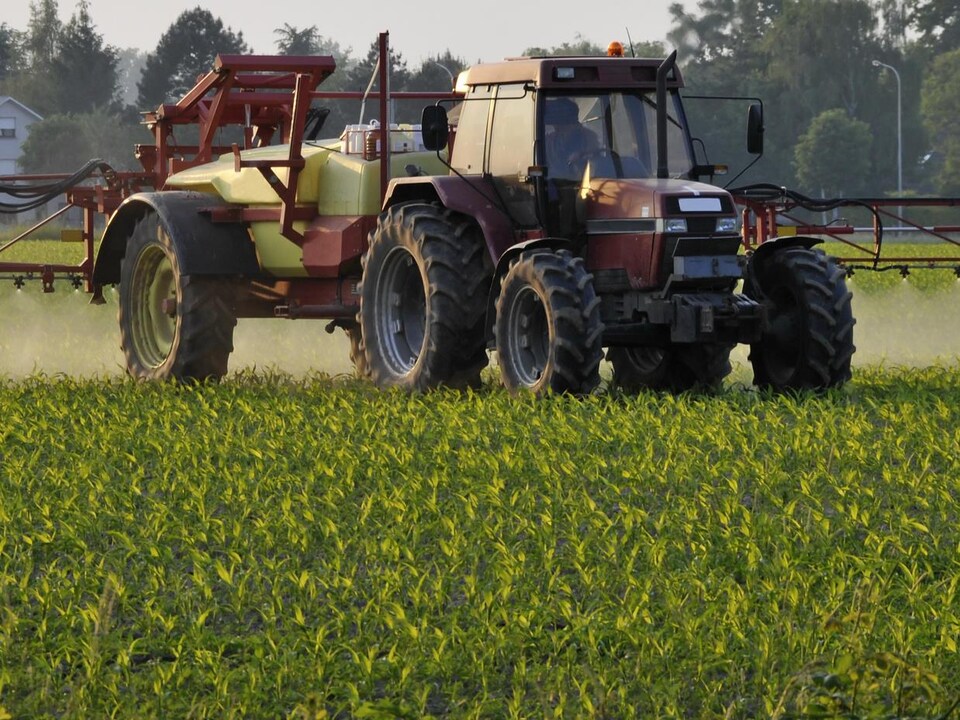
{"type": "Point", "coordinates": [336, 183]}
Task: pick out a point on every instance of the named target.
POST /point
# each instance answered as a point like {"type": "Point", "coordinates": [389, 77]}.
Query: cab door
{"type": "Point", "coordinates": [511, 147]}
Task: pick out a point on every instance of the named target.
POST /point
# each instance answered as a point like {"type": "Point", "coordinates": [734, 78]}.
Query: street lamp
{"type": "Point", "coordinates": [878, 64]}
{"type": "Point", "coordinates": [445, 69]}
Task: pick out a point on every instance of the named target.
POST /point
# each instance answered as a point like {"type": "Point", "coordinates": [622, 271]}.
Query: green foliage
{"type": "Point", "coordinates": [584, 47]}
{"type": "Point", "coordinates": [435, 74]}
{"type": "Point", "coordinates": [43, 33]}
{"type": "Point", "coordinates": [84, 69]}
{"type": "Point", "coordinates": [938, 23]}
{"type": "Point", "coordinates": [11, 51]}
{"type": "Point", "coordinates": [270, 548]}
{"type": "Point", "coordinates": [802, 58]}
{"type": "Point", "coordinates": [30, 79]}
{"type": "Point", "coordinates": [63, 143]}
{"type": "Point", "coordinates": [358, 77]}
{"type": "Point", "coordinates": [833, 155]}
{"type": "Point", "coordinates": [308, 41]}
{"type": "Point", "coordinates": [941, 114]}
{"type": "Point", "coordinates": [185, 52]}
{"type": "Point", "coordinates": [69, 69]}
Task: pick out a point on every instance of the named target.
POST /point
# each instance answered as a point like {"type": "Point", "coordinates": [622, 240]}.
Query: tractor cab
{"type": "Point", "coordinates": [542, 131]}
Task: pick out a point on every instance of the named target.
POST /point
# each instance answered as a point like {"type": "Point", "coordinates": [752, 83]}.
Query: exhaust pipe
{"type": "Point", "coordinates": [663, 168]}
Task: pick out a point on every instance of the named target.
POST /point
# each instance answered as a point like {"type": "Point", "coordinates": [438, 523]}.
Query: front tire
{"type": "Point", "coordinates": [675, 369]}
{"type": "Point", "coordinates": [423, 299]}
{"type": "Point", "coordinates": [808, 342]}
{"type": "Point", "coordinates": [549, 331]}
{"type": "Point", "coordinates": [172, 326]}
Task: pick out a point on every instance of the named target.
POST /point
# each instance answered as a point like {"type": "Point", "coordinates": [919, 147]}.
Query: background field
{"type": "Point", "coordinates": [287, 544]}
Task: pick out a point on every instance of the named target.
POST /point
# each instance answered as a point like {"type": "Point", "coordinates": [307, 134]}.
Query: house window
{"type": "Point", "coordinates": [8, 127]}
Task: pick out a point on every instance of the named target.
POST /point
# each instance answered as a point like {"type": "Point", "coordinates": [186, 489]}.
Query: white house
{"type": "Point", "coordinates": [15, 120]}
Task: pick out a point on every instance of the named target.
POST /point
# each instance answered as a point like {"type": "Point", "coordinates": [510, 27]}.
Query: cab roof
{"type": "Point", "coordinates": [588, 72]}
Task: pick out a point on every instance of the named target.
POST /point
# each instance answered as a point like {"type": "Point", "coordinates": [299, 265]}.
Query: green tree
{"type": "Point", "coordinates": [940, 105]}
{"type": "Point", "coordinates": [63, 142]}
{"type": "Point", "coordinates": [11, 51]}
{"type": "Point", "coordinates": [938, 22]}
{"type": "Point", "coordinates": [720, 49]}
{"type": "Point", "coordinates": [820, 51]}
{"type": "Point", "coordinates": [43, 32]}
{"type": "Point", "coordinates": [581, 46]}
{"type": "Point", "coordinates": [292, 40]}
{"type": "Point", "coordinates": [84, 69]}
{"type": "Point", "coordinates": [436, 71]}
{"type": "Point", "coordinates": [833, 156]}
{"type": "Point", "coordinates": [130, 64]}
{"type": "Point", "coordinates": [185, 52]}
{"type": "Point", "coordinates": [32, 80]}
{"type": "Point", "coordinates": [296, 41]}
{"type": "Point", "coordinates": [722, 29]}
{"type": "Point", "coordinates": [895, 20]}
{"type": "Point", "coordinates": [360, 74]}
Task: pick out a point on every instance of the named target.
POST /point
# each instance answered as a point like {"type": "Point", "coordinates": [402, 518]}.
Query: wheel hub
{"type": "Point", "coordinates": [527, 324]}
{"type": "Point", "coordinates": [154, 306]}
{"type": "Point", "coordinates": [402, 311]}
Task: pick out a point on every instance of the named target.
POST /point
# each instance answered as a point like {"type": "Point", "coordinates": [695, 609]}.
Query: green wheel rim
{"type": "Point", "coordinates": [154, 302]}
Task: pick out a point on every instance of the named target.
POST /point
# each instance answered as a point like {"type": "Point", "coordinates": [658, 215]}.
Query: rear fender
{"type": "Point", "coordinates": [765, 250]}
{"type": "Point", "coordinates": [203, 247]}
{"type": "Point", "coordinates": [456, 194]}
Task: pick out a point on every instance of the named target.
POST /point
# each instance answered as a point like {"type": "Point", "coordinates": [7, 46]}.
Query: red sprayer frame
{"type": "Point", "coordinates": [268, 96]}
{"type": "Point", "coordinates": [763, 220]}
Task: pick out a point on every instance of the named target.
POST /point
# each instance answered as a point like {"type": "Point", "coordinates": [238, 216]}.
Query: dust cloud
{"type": "Point", "coordinates": [62, 334]}
{"type": "Point", "coordinates": [57, 333]}
{"type": "Point", "coordinates": [904, 326]}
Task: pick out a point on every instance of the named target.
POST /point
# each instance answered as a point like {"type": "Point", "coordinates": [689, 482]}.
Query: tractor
{"type": "Point", "coordinates": [554, 215]}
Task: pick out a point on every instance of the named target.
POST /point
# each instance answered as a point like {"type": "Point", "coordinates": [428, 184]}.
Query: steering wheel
{"type": "Point", "coordinates": [601, 157]}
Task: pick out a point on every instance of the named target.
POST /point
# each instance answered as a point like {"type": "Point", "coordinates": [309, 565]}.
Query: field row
{"type": "Point", "coordinates": [275, 548]}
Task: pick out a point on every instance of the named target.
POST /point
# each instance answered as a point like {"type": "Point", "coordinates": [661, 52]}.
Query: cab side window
{"type": "Point", "coordinates": [513, 133]}
{"type": "Point", "coordinates": [468, 146]}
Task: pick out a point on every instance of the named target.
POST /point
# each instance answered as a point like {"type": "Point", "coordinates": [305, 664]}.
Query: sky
{"type": "Point", "coordinates": [475, 31]}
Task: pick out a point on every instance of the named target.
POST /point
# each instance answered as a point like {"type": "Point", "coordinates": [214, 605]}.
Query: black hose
{"type": "Point", "coordinates": [769, 191]}
{"type": "Point", "coordinates": [39, 194]}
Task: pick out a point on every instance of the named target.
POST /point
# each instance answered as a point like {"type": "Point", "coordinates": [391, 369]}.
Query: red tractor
{"type": "Point", "coordinates": [566, 220]}
{"type": "Point", "coordinates": [571, 221]}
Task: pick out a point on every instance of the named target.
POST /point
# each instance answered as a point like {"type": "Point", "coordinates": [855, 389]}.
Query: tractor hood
{"type": "Point", "coordinates": [623, 200]}
{"type": "Point", "coordinates": [636, 227]}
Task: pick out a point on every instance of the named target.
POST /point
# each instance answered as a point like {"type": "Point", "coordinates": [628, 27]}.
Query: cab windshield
{"type": "Point", "coordinates": [611, 135]}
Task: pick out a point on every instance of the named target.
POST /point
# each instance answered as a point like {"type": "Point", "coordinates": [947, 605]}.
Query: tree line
{"type": "Point", "coordinates": [826, 70]}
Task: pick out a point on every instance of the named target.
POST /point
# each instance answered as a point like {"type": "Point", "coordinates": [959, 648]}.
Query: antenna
{"type": "Point", "coordinates": [630, 40]}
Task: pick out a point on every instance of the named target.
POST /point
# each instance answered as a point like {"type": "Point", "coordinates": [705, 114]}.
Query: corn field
{"type": "Point", "coordinates": [271, 547]}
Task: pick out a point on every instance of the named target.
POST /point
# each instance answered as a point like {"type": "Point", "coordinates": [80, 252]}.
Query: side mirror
{"type": "Point", "coordinates": [755, 129]}
{"type": "Point", "coordinates": [434, 127]}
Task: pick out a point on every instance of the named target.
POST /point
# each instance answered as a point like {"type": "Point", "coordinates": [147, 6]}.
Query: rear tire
{"type": "Point", "coordinates": [675, 369]}
{"type": "Point", "coordinates": [172, 326]}
{"type": "Point", "coordinates": [423, 299]}
{"type": "Point", "coordinates": [549, 330]}
{"type": "Point", "coordinates": [808, 343]}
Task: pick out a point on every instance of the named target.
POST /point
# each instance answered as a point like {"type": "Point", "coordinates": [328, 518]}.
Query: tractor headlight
{"type": "Point", "coordinates": [728, 224]}
{"type": "Point", "coordinates": [675, 225]}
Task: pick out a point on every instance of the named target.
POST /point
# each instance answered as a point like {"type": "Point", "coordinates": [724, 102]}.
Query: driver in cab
{"type": "Point", "coordinates": [568, 143]}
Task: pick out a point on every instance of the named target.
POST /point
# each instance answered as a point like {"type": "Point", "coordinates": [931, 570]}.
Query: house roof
{"type": "Point", "coordinates": [4, 99]}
